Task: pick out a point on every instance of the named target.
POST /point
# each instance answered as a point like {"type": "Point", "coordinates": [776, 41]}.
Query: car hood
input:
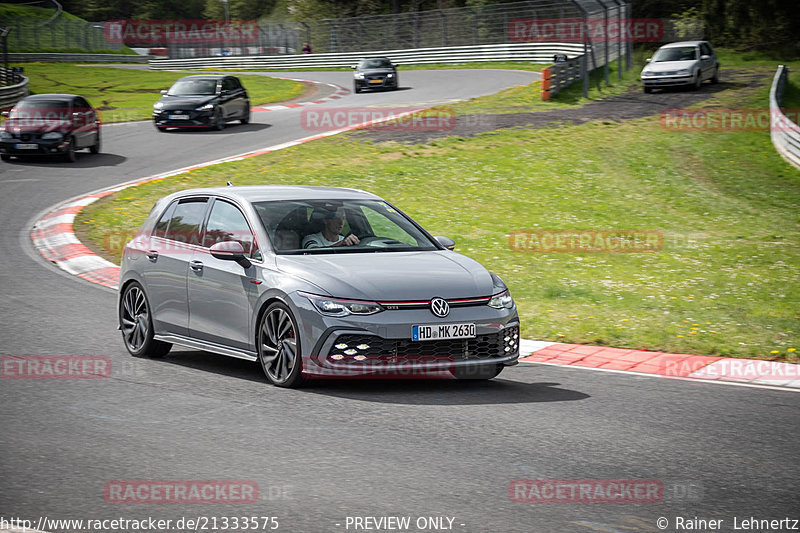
{"type": "Point", "coordinates": [668, 66]}
{"type": "Point", "coordinates": [391, 276]}
{"type": "Point", "coordinates": [27, 125]}
{"type": "Point", "coordinates": [372, 71]}
{"type": "Point", "coordinates": [185, 102]}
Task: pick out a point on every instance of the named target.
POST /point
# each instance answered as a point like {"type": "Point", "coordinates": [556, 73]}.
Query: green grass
{"type": "Point", "coordinates": [8, 11]}
{"type": "Point", "coordinates": [123, 94]}
{"type": "Point", "coordinates": [726, 283]}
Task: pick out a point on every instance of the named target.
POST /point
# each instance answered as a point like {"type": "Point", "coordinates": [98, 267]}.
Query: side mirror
{"type": "Point", "coordinates": [705, 57]}
{"type": "Point", "coordinates": [164, 92]}
{"type": "Point", "coordinates": [648, 59]}
{"type": "Point", "coordinates": [230, 251]}
{"type": "Point", "coordinates": [353, 67]}
{"type": "Point", "coordinates": [447, 242]}
{"type": "Point", "coordinates": [5, 113]}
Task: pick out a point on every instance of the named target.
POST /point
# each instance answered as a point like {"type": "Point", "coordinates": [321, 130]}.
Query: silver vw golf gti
{"type": "Point", "coordinates": [311, 282]}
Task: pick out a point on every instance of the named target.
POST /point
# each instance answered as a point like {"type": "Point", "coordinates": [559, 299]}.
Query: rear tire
{"type": "Point", "coordinates": [137, 324]}
{"type": "Point", "coordinates": [476, 372]}
{"type": "Point", "coordinates": [715, 78]}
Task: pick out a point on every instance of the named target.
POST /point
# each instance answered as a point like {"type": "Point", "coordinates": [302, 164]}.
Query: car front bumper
{"type": "Point", "coordinates": [194, 119]}
{"type": "Point", "coordinates": [667, 81]}
{"type": "Point", "coordinates": [34, 147]}
{"type": "Point", "coordinates": [383, 83]}
{"type": "Point", "coordinates": [381, 344]}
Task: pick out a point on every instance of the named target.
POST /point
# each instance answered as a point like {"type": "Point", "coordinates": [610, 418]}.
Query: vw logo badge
{"type": "Point", "coordinates": [439, 307]}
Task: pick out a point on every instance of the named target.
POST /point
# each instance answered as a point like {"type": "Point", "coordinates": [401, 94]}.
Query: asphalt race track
{"type": "Point", "coordinates": [340, 449]}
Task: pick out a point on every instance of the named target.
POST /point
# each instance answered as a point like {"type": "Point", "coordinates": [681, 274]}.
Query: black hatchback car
{"type": "Point", "coordinates": [50, 125]}
{"type": "Point", "coordinates": [375, 73]}
{"type": "Point", "coordinates": [202, 101]}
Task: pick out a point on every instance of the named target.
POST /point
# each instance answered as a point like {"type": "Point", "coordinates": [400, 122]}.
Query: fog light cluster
{"type": "Point", "coordinates": [345, 351]}
{"type": "Point", "coordinates": [511, 340]}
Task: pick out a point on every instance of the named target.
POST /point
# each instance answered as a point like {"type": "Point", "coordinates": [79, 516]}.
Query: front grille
{"type": "Point", "coordinates": [371, 348]}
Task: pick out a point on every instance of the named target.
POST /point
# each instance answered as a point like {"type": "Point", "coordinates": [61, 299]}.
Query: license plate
{"type": "Point", "coordinates": [26, 146]}
{"type": "Point", "coordinates": [178, 117]}
{"type": "Point", "coordinates": [442, 331]}
{"type": "Point", "coordinates": [376, 81]}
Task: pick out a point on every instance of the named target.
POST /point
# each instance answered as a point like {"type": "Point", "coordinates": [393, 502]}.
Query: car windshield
{"type": "Point", "coordinates": [375, 63]}
{"type": "Point", "coordinates": [41, 110]}
{"type": "Point", "coordinates": [684, 53]}
{"type": "Point", "coordinates": [310, 227]}
{"type": "Point", "coordinates": [193, 88]}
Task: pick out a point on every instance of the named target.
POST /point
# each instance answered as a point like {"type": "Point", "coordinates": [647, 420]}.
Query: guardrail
{"type": "Point", "coordinates": [11, 94]}
{"type": "Point", "coordinates": [785, 134]}
{"type": "Point", "coordinates": [561, 75]}
{"type": "Point", "coordinates": [533, 52]}
{"type": "Point", "coordinates": [72, 58]}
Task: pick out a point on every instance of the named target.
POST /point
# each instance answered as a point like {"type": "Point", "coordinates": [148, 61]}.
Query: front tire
{"type": "Point", "coordinates": [279, 347]}
{"type": "Point", "coordinates": [246, 117]}
{"type": "Point", "coordinates": [95, 148]}
{"type": "Point", "coordinates": [698, 81]}
{"type": "Point", "coordinates": [137, 324]}
{"type": "Point", "coordinates": [219, 120]}
{"type": "Point", "coordinates": [5, 157]}
{"type": "Point", "coordinates": [476, 372]}
{"type": "Point", "coordinates": [356, 88]}
{"type": "Point", "coordinates": [648, 90]}
{"type": "Point", "coordinates": [69, 156]}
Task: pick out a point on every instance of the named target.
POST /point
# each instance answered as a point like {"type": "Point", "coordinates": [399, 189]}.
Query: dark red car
{"type": "Point", "coordinates": [50, 125]}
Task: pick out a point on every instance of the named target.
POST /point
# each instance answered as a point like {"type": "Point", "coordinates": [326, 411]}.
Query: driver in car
{"type": "Point", "coordinates": [332, 223]}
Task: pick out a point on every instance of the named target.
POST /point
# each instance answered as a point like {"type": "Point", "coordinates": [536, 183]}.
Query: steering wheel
{"type": "Point", "coordinates": [380, 242]}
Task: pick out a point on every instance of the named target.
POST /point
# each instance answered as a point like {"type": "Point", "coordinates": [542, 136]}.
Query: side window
{"type": "Point", "coordinates": [184, 225]}
{"type": "Point", "coordinates": [236, 83]}
{"type": "Point", "coordinates": [163, 222]}
{"type": "Point", "coordinates": [227, 223]}
{"type": "Point", "coordinates": [705, 49]}
{"type": "Point", "coordinates": [228, 84]}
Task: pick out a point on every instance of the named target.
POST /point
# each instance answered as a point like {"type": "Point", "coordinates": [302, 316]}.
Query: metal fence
{"type": "Point", "coordinates": [58, 34]}
{"type": "Point", "coordinates": [785, 134]}
{"type": "Point", "coordinates": [15, 90]}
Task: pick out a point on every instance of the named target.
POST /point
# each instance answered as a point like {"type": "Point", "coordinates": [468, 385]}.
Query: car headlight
{"type": "Point", "coordinates": [340, 307]}
{"type": "Point", "coordinates": [390, 75]}
{"type": "Point", "coordinates": [683, 72]}
{"type": "Point", "coordinates": [207, 107]}
{"type": "Point", "coordinates": [647, 73]}
{"type": "Point", "coordinates": [5, 135]}
{"type": "Point", "coordinates": [359, 75]}
{"type": "Point", "coordinates": [501, 299]}
{"type": "Point", "coordinates": [52, 135]}
{"type": "Point", "coordinates": [158, 105]}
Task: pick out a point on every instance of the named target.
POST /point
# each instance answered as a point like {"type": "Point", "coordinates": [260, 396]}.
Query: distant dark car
{"type": "Point", "coordinates": [201, 102]}
{"type": "Point", "coordinates": [375, 73]}
{"type": "Point", "coordinates": [50, 125]}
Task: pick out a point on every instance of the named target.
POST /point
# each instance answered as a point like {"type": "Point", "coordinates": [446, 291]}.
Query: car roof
{"type": "Point", "coordinates": [52, 96]}
{"type": "Point", "coordinates": [264, 193]}
{"type": "Point", "coordinates": [380, 57]}
{"type": "Point", "coordinates": [206, 77]}
{"type": "Point", "coordinates": [682, 43]}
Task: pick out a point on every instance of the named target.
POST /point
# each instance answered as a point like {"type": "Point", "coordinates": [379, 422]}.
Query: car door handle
{"type": "Point", "coordinates": [152, 255]}
{"type": "Point", "coordinates": [197, 266]}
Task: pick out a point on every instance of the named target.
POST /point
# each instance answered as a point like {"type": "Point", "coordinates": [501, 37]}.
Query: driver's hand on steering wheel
{"type": "Point", "coordinates": [350, 240]}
